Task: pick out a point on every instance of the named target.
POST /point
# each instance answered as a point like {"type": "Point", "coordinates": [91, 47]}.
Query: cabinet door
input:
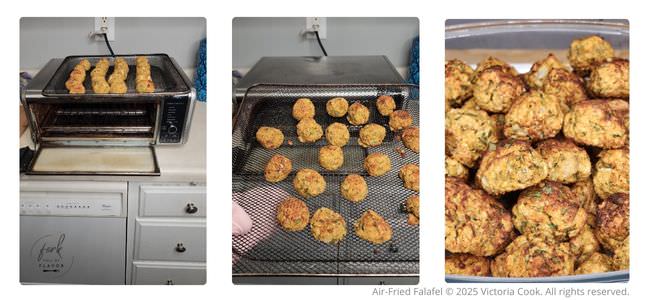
{"type": "Point", "coordinates": [172, 201]}
{"type": "Point", "coordinates": [168, 273]}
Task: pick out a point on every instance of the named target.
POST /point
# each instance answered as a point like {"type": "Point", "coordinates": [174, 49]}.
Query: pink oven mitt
{"type": "Point", "coordinates": [241, 221]}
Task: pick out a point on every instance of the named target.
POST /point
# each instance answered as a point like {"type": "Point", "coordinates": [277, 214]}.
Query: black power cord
{"type": "Point", "coordinates": [320, 43]}
{"type": "Point", "coordinates": [108, 44]}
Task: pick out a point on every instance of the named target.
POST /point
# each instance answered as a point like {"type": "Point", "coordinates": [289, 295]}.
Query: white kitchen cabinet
{"type": "Point", "coordinates": [168, 273]}
{"type": "Point", "coordinates": [160, 239]}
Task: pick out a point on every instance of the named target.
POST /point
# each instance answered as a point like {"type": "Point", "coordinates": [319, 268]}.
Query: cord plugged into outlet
{"type": "Point", "coordinates": [316, 24]}
{"type": "Point", "coordinates": [103, 25]}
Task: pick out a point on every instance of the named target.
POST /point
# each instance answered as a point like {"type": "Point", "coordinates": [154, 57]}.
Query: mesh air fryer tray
{"type": "Point", "coordinates": [269, 250]}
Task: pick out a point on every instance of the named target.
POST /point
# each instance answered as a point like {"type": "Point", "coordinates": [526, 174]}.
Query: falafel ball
{"type": "Point", "coordinates": [611, 79]}
{"type": "Point", "coordinates": [309, 131]}
{"type": "Point", "coordinates": [468, 133]}
{"type": "Point", "coordinates": [458, 84]}
{"type": "Point", "coordinates": [309, 183]}
{"type": "Point", "coordinates": [385, 105]}
{"type": "Point", "coordinates": [358, 114]}
{"type": "Point", "coordinates": [337, 134]}
{"type": "Point", "coordinates": [586, 196]}
{"type": "Point", "coordinates": [269, 137]}
{"type": "Point", "coordinates": [475, 222]}
{"type": "Point", "coordinates": [567, 163]}
{"type": "Point", "coordinates": [612, 173]}
{"type": "Point", "coordinates": [490, 62]}
{"type": "Point", "coordinates": [373, 228]}
{"type": "Point", "coordinates": [277, 169]}
{"type": "Point", "coordinates": [595, 123]}
{"type": "Point", "coordinates": [596, 263]}
{"type": "Point", "coordinates": [377, 164]}
{"type": "Point", "coordinates": [328, 226]}
{"type": "Point", "coordinates": [586, 52]}
{"type": "Point", "coordinates": [371, 135]}
{"type": "Point", "coordinates": [455, 169]}
{"type": "Point", "coordinates": [337, 107]}
{"type": "Point", "coordinates": [495, 90]}
{"type": "Point", "coordinates": [411, 138]}
{"type": "Point", "coordinates": [549, 210]}
{"type": "Point", "coordinates": [621, 259]}
{"type": "Point", "coordinates": [513, 166]}
{"type": "Point", "coordinates": [613, 221]}
{"type": "Point", "coordinates": [399, 120]}
{"type": "Point", "coordinates": [330, 157]}
{"type": "Point", "coordinates": [303, 108]}
{"type": "Point", "coordinates": [467, 264]}
{"type": "Point", "coordinates": [540, 69]}
{"type": "Point", "coordinates": [584, 244]}
{"type": "Point", "coordinates": [530, 256]}
{"type": "Point", "coordinates": [533, 116]}
{"type": "Point", "coordinates": [412, 205]}
{"type": "Point", "coordinates": [567, 87]}
{"type": "Point", "coordinates": [354, 188]}
{"type": "Point", "coordinates": [410, 174]}
{"type": "Point", "coordinates": [293, 214]}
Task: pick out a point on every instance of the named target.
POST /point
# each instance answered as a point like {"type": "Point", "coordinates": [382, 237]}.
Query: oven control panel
{"type": "Point", "coordinates": [76, 207]}
{"type": "Point", "coordinates": [173, 120]}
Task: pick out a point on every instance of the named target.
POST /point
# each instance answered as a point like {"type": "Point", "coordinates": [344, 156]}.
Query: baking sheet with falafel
{"type": "Point", "coordinates": [537, 165]}
{"type": "Point", "coordinates": [327, 202]}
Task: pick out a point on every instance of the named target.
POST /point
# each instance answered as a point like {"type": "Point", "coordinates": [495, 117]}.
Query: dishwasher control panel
{"type": "Point", "coordinates": [55, 206]}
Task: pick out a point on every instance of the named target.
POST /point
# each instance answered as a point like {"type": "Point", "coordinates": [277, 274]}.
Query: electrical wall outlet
{"type": "Point", "coordinates": [104, 25]}
{"type": "Point", "coordinates": [316, 24]}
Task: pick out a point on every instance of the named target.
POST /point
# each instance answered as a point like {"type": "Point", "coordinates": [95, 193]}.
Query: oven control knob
{"type": "Point", "coordinates": [172, 129]}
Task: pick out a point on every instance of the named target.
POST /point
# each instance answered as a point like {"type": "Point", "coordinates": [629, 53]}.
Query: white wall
{"type": "Point", "coordinates": [257, 37]}
{"type": "Point", "coordinates": [44, 38]}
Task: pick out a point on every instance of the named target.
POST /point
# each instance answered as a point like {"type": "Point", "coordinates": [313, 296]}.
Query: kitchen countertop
{"type": "Point", "coordinates": [184, 163]}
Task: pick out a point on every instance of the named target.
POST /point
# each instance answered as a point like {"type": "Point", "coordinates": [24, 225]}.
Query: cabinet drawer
{"type": "Point", "coordinates": [160, 239]}
{"type": "Point", "coordinates": [172, 273]}
{"type": "Point", "coordinates": [172, 201]}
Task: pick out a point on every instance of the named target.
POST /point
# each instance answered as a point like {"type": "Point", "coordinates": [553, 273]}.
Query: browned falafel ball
{"type": "Point", "coordinates": [358, 114]}
{"type": "Point", "coordinates": [540, 69]}
{"type": "Point", "coordinates": [330, 157]}
{"type": "Point", "coordinates": [399, 120]}
{"type": "Point", "coordinates": [293, 214]}
{"type": "Point", "coordinates": [567, 163]}
{"type": "Point", "coordinates": [611, 79]}
{"type": "Point", "coordinates": [613, 221]}
{"type": "Point", "coordinates": [412, 205]}
{"type": "Point", "coordinates": [495, 90]}
{"type": "Point", "coordinates": [411, 138]}
{"type": "Point", "coordinates": [328, 226]}
{"type": "Point", "coordinates": [385, 105]}
{"type": "Point", "coordinates": [303, 108]}
{"type": "Point", "coordinates": [467, 264]}
{"type": "Point", "coordinates": [596, 263]}
{"type": "Point", "coordinates": [337, 134]}
{"type": "Point", "coordinates": [586, 52]}
{"type": "Point", "coordinates": [612, 173]}
{"type": "Point", "coordinates": [533, 116]}
{"type": "Point", "coordinates": [530, 256]}
{"type": "Point", "coordinates": [490, 62]}
{"type": "Point", "coordinates": [277, 169]}
{"type": "Point", "coordinates": [513, 166]}
{"type": "Point", "coordinates": [458, 84]}
{"type": "Point", "coordinates": [373, 228]}
{"type": "Point", "coordinates": [309, 131]}
{"type": "Point", "coordinates": [377, 164]}
{"type": "Point", "coordinates": [584, 244]}
{"type": "Point", "coordinates": [309, 183]}
{"type": "Point", "coordinates": [354, 188]}
{"type": "Point", "coordinates": [595, 123]}
{"type": "Point", "coordinates": [337, 107]}
{"type": "Point", "coordinates": [453, 168]}
{"type": "Point", "coordinates": [586, 196]}
{"type": "Point", "coordinates": [410, 174]}
{"type": "Point", "coordinates": [269, 137]}
{"type": "Point", "coordinates": [567, 87]}
{"type": "Point", "coordinates": [371, 135]}
{"type": "Point", "coordinates": [468, 133]}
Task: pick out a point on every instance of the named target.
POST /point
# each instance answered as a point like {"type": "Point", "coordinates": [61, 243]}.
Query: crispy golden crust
{"type": "Point", "coordinates": [613, 221]}
{"type": "Point", "coordinates": [337, 107]}
{"type": "Point", "coordinates": [411, 138]}
{"type": "Point", "coordinates": [596, 263]}
{"type": "Point", "coordinates": [410, 174]}
{"type": "Point", "coordinates": [567, 87]}
{"type": "Point", "coordinates": [495, 90]}
{"type": "Point", "coordinates": [337, 134]}
{"type": "Point", "coordinates": [455, 169]}
{"type": "Point", "coordinates": [328, 226]}
{"type": "Point", "coordinates": [293, 214]}
{"type": "Point", "coordinates": [467, 264]}
{"type": "Point", "coordinates": [475, 222]}
{"type": "Point", "coordinates": [269, 137]}
{"type": "Point", "coordinates": [371, 135]}
{"type": "Point", "coordinates": [539, 70]}
{"type": "Point", "coordinates": [584, 244]}
{"type": "Point", "coordinates": [354, 188]}
{"type": "Point", "coordinates": [277, 169]}
{"type": "Point", "coordinates": [533, 116]}
{"type": "Point", "coordinates": [309, 131]}
{"type": "Point", "coordinates": [358, 114]}
{"type": "Point", "coordinates": [490, 62]}
{"type": "Point", "coordinates": [595, 123]}
{"type": "Point", "coordinates": [549, 210]}
{"type": "Point", "coordinates": [458, 85]}
{"type": "Point", "coordinates": [621, 260]}
{"type": "Point", "coordinates": [385, 105]}
{"type": "Point", "coordinates": [586, 196]}
{"type": "Point", "coordinates": [567, 163]}
{"type": "Point", "coordinates": [399, 120]}
{"type": "Point", "coordinates": [529, 256]}
{"type": "Point", "coordinates": [513, 166]}
{"type": "Point", "coordinates": [377, 164]}
{"type": "Point", "coordinates": [303, 108]}
{"type": "Point", "coordinates": [373, 228]}
{"type": "Point", "coordinates": [330, 157]}
{"type": "Point", "coordinates": [611, 79]}
{"type": "Point", "coordinates": [308, 183]}
{"type": "Point", "coordinates": [612, 173]}
{"type": "Point", "coordinates": [468, 133]}
{"type": "Point", "coordinates": [589, 51]}
{"type": "Point", "coordinates": [412, 204]}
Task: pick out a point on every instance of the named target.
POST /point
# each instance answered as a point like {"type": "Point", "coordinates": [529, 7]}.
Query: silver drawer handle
{"type": "Point", "coordinates": [191, 209]}
{"type": "Point", "coordinates": [170, 282]}
{"type": "Point", "coordinates": [180, 248]}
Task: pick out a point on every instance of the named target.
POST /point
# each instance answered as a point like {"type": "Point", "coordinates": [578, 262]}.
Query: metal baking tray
{"type": "Point", "coordinates": [521, 43]}
{"type": "Point", "coordinates": [167, 76]}
{"type": "Point", "coordinates": [270, 251]}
